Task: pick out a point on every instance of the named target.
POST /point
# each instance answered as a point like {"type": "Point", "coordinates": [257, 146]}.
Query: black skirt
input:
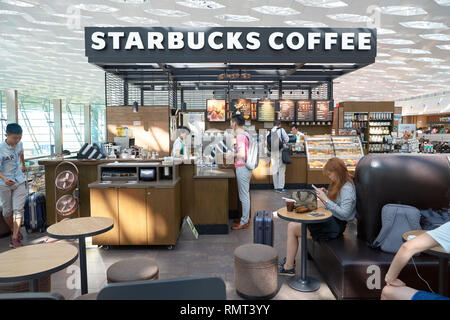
{"type": "Point", "coordinates": [328, 230]}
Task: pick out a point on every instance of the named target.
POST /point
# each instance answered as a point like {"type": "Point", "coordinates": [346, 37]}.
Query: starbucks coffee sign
{"type": "Point", "coordinates": [233, 45]}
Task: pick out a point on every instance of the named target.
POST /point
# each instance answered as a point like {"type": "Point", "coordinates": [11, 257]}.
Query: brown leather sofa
{"type": "Point", "coordinates": [350, 267]}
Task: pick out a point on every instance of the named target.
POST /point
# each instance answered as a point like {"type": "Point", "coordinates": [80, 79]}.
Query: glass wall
{"type": "Point", "coordinates": [98, 123]}
{"type": "Point", "coordinates": [36, 119]}
{"type": "Point", "coordinates": [73, 126]}
{"type": "Point", "coordinates": [3, 113]}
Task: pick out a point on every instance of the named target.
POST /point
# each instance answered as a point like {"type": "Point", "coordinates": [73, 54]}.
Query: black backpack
{"type": "Point", "coordinates": [269, 141]}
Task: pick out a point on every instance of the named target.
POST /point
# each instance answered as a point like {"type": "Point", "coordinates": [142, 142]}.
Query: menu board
{"type": "Point", "coordinates": [215, 110]}
{"type": "Point", "coordinates": [305, 110]}
{"type": "Point", "coordinates": [266, 110]}
{"type": "Point", "coordinates": [243, 105]}
{"type": "Point", "coordinates": [287, 110]}
{"type": "Point", "coordinates": [323, 111]}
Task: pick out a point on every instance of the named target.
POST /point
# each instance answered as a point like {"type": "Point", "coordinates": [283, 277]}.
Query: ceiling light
{"type": "Point", "coordinates": [443, 2]}
{"type": "Point", "coordinates": [380, 54]}
{"type": "Point", "coordinates": [412, 51]}
{"type": "Point", "coordinates": [391, 61]}
{"type": "Point", "coordinates": [403, 11]}
{"type": "Point", "coordinates": [201, 4]}
{"type": "Point", "coordinates": [382, 31]}
{"type": "Point", "coordinates": [436, 66]}
{"type": "Point", "coordinates": [24, 4]}
{"type": "Point", "coordinates": [10, 12]}
{"type": "Point", "coordinates": [236, 18]}
{"type": "Point", "coordinates": [444, 47]}
{"type": "Point", "coordinates": [404, 68]}
{"type": "Point", "coordinates": [427, 59]}
{"type": "Point", "coordinates": [130, 1]}
{"type": "Point", "coordinates": [424, 25]}
{"type": "Point", "coordinates": [306, 24]}
{"type": "Point", "coordinates": [167, 13]}
{"type": "Point", "coordinates": [96, 8]}
{"type": "Point", "coordinates": [138, 20]}
{"type": "Point", "coordinates": [435, 36]}
{"type": "Point", "coordinates": [31, 29]}
{"type": "Point", "coordinates": [323, 3]}
{"type": "Point", "coordinates": [278, 11]}
{"type": "Point", "coordinates": [201, 24]}
{"type": "Point", "coordinates": [349, 17]}
{"type": "Point", "coordinates": [395, 41]}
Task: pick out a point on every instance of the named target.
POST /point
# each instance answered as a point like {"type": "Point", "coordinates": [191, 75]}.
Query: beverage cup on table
{"type": "Point", "coordinates": [290, 205]}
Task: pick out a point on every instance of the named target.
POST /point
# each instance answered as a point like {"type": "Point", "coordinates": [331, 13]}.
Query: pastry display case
{"type": "Point", "coordinates": [349, 149]}
{"type": "Point", "coordinates": [318, 150]}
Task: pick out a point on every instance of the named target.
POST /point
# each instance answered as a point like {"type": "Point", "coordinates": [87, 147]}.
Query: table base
{"type": "Point", "coordinates": [309, 285]}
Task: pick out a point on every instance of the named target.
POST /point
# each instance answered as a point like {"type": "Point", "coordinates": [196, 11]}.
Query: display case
{"type": "Point", "coordinates": [318, 150]}
{"type": "Point", "coordinates": [348, 149]}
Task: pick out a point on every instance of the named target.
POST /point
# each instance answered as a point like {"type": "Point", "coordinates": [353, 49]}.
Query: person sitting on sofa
{"type": "Point", "coordinates": [340, 199]}
{"type": "Point", "coordinates": [396, 289]}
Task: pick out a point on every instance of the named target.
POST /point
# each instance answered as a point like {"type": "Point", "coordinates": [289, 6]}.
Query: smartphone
{"type": "Point", "coordinates": [315, 187]}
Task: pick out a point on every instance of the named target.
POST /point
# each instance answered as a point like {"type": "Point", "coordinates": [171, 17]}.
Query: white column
{"type": "Point", "coordinates": [57, 115]}
{"type": "Point", "coordinates": [12, 104]}
{"type": "Point", "coordinates": [87, 123]}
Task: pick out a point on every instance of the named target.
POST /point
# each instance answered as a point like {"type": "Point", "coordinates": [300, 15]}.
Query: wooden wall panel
{"type": "Point", "coordinates": [152, 133]}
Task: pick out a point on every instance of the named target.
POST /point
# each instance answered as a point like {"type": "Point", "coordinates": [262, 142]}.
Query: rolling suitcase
{"type": "Point", "coordinates": [34, 218]}
{"type": "Point", "coordinates": [263, 228]}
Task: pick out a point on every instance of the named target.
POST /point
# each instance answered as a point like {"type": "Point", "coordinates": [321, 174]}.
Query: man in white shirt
{"type": "Point", "coordinates": [278, 167]}
{"type": "Point", "coordinates": [396, 289]}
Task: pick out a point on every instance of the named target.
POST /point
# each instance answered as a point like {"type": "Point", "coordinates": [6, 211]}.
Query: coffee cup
{"type": "Point", "coordinates": [290, 205]}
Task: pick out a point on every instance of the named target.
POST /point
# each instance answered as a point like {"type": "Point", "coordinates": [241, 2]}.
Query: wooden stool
{"type": "Point", "coordinates": [256, 271]}
{"type": "Point", "coordinates": [88, 296]}
{"type": "Point", "coordinates": [135, 269]}
{"type": "Point", "coordinates": [45, 285]}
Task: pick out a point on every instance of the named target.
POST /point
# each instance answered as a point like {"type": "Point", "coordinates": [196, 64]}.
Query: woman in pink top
{"type": "Point", "coordinates": [243, 175]}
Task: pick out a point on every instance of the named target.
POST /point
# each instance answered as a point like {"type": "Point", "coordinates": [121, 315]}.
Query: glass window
{"type": "Point", "coordinates": [98, 123]}
{"type": "Point", "coordinates": [3, 113]}
{"type": "Point", "coordinates": [36, 119]}
{"type": "Point", "coordinates": [73, 126]}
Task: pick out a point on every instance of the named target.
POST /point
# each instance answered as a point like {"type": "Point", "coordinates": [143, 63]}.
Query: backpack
{"type": "Point", "coordinates": [269, 141]}
{"type": "Point", "coordinates": [396, 219]}
{"type": "Point", "coordinates": [252, 159]}
{"type": "Point", "coordinates": [432, 219]}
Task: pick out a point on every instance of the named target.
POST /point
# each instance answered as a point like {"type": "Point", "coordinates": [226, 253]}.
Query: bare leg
{"type": "Point", "coordinates": [397, 293]}
{"type": "Point", "coordinates": [17, 225]}
{"type": "Point", "coordinates": [294, 232]}
{"type": "Point", "coordinates": [9, 222]}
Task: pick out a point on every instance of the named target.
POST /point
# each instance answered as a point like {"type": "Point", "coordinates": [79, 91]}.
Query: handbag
{"type": "Point", "coordinates": [286, 156]}
{"type": "Point", "coordinates": [305, 200]}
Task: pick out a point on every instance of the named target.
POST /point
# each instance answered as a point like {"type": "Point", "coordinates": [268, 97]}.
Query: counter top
{"type": "Point", "coordinates": [213, 173]}
{"type": "Point", "coordinates": [138, 185]}
{"type": "Point", "coordinates": [89, 162]}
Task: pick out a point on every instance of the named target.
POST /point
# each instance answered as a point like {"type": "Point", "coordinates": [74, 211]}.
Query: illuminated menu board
{"type": "Point", "coordinates": [287, 110]}
{"type": "Point", "coordinates": [305, 110]}
{"type": "Point", "coordinates": [266, 110]}
{"type": "Point", "coordinates": [323, 112]}
{"type": "Point", "coordinates": [215, 110]}
{"type": "Point", "coordinates": [243, 105]}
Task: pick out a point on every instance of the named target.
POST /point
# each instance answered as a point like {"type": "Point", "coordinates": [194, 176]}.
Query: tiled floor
{"type": "Point", "coordinates": [210, 255]}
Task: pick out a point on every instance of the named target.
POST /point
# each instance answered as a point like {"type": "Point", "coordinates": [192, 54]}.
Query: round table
{"type": "Point", "coordinates": [29, 263]}
{"type": "Point", "coordinates": [80, 228]}
{"type": "Point", "coordinates": [443, 261]}
{"type": "Point", "coordinates": [303, 282]}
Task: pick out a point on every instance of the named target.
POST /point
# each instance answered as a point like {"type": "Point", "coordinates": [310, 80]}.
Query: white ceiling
{"type": "Point", "coordinates": [42, 47]}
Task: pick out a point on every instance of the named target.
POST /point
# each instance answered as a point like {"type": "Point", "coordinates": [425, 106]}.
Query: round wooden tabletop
{"type": "Point", "coordinates": [304, 217]}
{"type": "Point", "coordinates": [35, 261]}
{"type": "Point", "coordinates": [80, 227]}
{"type": "Point", "coordinates": [437, 251]}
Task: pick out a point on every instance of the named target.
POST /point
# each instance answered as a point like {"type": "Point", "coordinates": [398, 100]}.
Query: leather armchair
{"type": "Point", "coordinates": [418, 180]}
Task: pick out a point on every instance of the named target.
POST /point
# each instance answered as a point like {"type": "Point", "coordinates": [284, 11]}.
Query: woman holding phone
{"type": "Point", "coordinates": [340, 199]}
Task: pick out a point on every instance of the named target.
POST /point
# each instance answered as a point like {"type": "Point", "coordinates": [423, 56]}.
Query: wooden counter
{"type": "Point", "coordinates": [87, 174]}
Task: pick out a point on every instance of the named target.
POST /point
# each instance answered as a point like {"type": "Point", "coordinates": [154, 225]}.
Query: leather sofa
{"type": "Point", "coordinates": [350, 267]}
